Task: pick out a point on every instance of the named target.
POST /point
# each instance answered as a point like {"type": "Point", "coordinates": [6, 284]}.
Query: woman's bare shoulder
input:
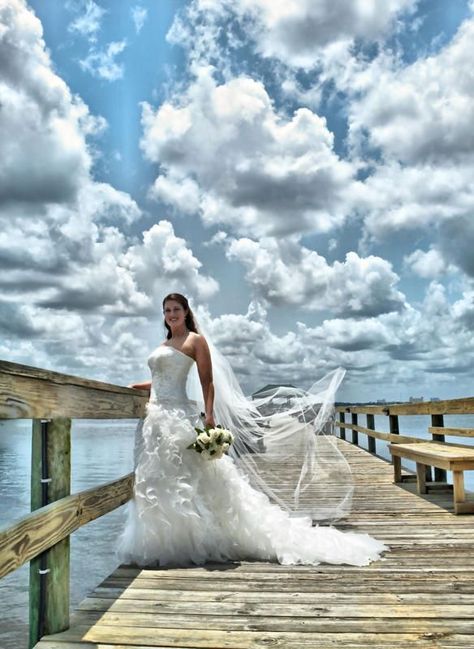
{"type": "Point", "coordinates": [198, 341]}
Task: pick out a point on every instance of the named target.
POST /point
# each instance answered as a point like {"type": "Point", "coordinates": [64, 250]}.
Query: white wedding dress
{"type": "Point", "coordinates": [188, 510]}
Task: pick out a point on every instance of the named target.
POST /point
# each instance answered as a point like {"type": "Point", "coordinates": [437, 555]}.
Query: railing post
{"type": "Point", "coordinates": [342, 419]}
{"type": "Point", "coordinates": [438, 420]}
{"type": "Point", "coordinates": [355, 434]}
{"type": "Point", "coordinates": [395, 430]}
{"type": "Point", "coordinates": [49, 571]}
{"type": "Point", "coordinates": [371, 425]}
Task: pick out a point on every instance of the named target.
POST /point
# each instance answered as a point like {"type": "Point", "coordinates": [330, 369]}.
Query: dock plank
{"type": "Point", "coordinates": [420, 595]}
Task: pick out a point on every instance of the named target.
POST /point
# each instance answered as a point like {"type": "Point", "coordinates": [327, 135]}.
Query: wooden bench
{"type": "Point", "coordinates": [452, 458]}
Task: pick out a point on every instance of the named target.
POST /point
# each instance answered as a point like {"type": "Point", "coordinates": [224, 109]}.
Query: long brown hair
{"type": "Point", "coordinates": [189, 320]}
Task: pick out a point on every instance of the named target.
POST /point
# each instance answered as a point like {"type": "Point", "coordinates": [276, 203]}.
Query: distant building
{"type": "Point", "coordinates": [435, 399]}
{"type": "Point", "coordinates": [270, 389]}
{"type": "Point", "coordinates": [276, 397]}
{"type": "Point", "coordinates": [381, 401]}
{"type": "Point", "coordinates": [416, 399]}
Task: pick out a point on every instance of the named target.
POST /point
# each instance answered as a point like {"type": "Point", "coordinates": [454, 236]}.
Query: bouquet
{"type": "Point", "coordinates": [212, 443]}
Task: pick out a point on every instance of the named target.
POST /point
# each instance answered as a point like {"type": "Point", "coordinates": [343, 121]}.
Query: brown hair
{"type": "Point", "coordinates": [189, 321]}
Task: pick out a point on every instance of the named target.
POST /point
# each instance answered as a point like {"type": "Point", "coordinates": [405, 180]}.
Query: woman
{"type": "Point", "coordinates": [189, 510]}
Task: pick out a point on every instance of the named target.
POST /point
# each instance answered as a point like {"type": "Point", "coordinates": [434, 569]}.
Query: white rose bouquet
{"type": "Point", "coordinates": [212, 443]}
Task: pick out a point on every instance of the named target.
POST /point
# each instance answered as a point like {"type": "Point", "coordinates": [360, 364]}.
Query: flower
{"type": "Point", "coordinates": [212, 443]}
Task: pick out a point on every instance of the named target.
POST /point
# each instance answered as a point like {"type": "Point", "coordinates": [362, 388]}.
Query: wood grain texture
{"type": "Point", "coordinates": [38, 531]}
{"type": "Point", "coordinates": [29, 392]}
{"type": "Point", "coordinates": [463, 406]}
{"type": "Point", "coordinates": [420, 595]}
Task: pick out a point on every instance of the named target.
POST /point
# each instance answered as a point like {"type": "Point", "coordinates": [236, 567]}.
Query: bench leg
{"type": "Point", "coordinates": [397, 468]}
{"type": "Point", "coordinates": [458, 484]}
{"type": "Point", "coordinates": [421, 478]}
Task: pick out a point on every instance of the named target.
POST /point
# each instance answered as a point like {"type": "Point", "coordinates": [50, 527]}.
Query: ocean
{"type": "Point", "coordinates": [102, 451]}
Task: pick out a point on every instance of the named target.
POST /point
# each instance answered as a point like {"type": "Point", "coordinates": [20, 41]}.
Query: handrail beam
{"type": "Point", "coordinates": [29, 536]}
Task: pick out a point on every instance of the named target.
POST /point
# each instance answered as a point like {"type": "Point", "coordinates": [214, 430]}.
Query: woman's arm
{"type": "Point", "coordinates": [204, 365]}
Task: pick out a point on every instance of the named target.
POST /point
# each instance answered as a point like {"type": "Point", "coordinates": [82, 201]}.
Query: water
{"type": "Point", "coordinates": [103, 451]}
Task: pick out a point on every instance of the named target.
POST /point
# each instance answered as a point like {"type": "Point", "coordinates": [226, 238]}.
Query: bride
{"type": "Point", "coordinates": [189, 510]}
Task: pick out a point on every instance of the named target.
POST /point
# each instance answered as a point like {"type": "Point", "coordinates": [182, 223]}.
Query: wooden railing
{"type": "Point", "coordinates": [51, 399]}
{"type": "Point", "coordinates": [437, 410]}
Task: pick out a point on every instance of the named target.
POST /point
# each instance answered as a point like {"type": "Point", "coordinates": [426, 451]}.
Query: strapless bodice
{"type": "Point", "coordinates": [169, 372]}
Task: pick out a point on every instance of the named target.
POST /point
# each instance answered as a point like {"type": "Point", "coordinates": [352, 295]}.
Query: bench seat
{"type": "Point", "coordinates": [452, 458]}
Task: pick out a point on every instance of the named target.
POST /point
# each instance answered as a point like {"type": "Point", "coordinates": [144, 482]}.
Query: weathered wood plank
{"type": "Point", "coordinates": [49, 572]}
{"type": "Point", "coordinates": [456, 432]}
{"type": "Point", "coordinates": [463, 406]}
{"type": "Point", "coordinates": [33, 393]}
{"type": "Point", "coordinates": [38, 531]}
{"type": "Point", "coordinates": [420, 595]}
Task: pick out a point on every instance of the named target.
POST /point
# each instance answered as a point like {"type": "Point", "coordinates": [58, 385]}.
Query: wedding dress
{"type": "Point", "coordinates": [189, 510]}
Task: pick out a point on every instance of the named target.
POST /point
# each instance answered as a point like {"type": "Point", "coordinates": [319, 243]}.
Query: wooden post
{"type": "Point", "coordinates": [355, 434]}
{"type": "Point", "coordinates": [342, 419]}
{"type": "Point", "coordinates": [395, 430]}
{"type": "Point", "coordinates": [438, 420]}
{"type": "Point", "coordinates": [421, 478]}
{"type": "Point", "coordinates": [459, 494]}
{"type": "Point", "coordinates": [397, 468]}
{"type": "Point", "coordinates": [49, 572]}
{"type": "Point", "coordinates": [371, 425]}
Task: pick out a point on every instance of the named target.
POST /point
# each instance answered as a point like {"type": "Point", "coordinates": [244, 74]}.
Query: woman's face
{"type": "Point", "coordinates": [174, 313]}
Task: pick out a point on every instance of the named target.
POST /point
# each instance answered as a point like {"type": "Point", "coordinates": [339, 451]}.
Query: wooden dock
{"type": "Point", "coordinates": [420, 595]}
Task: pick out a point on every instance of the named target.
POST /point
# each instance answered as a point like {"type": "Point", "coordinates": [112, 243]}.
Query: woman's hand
{"type": "Point", "coordinates": [146, 385]}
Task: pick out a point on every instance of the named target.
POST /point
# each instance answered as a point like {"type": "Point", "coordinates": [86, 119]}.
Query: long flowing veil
{"type": "Point", "coordinates": [284, 440]}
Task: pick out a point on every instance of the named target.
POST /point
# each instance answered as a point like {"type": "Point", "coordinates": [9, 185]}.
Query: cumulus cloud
{"type": "Point", "coordinates": [38, 117]}
{"type": "Point", "coordinates": [418, 118]}
{"type": "Point", "coordinates": [463, 310]}
{"type": "Point", "coordinates": [296, 33]}
{"type": "Point", "coordinates": [225, 148]}
{"type": "Point", "coordinates": [284, 272]}
{"type": "Point", "coordinates": [428, 264]}
{"type": "Point", "coordinates": [432, 339]}
{"type": "Point", "coordinates": [69, 272]}
{"type": "Point", "coordinates": [420, 113]}
{"type": "Point", "coordinates": [457, 241]}
{"type": "Point", "coordinates": [103, 64]}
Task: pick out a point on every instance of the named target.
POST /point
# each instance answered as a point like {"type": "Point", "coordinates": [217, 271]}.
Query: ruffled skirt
{"type": "Point", "coordinates": [187, 510]}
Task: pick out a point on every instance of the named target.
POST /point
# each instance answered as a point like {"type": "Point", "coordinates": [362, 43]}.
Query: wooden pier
{"type": "Point", "coordinates": [421, 594]}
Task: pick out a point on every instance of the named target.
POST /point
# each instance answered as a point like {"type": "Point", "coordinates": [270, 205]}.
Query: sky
{"type": "Point", "coordinates": [302, 171]}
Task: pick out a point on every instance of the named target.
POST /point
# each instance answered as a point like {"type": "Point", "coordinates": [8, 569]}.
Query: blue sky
{"type": "Point", "coordinates": [302, 171]}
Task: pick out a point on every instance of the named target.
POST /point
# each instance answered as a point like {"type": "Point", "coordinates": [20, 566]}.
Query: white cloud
{"type": "Point", "coordinates": [421, 113]}
{"type": "Point", "coordinates": [164, 263]}
{"type": "Point", "coordinates": [139, 16]}
{"type": "Point", "coordinates": [68, 272]}
{"type": "Point", "coordinates": [463, 310]}
{"type": "Point", "coordinates": [103, 63]}
{"type": "Point", "coordinates": [89, 22]}
{"type": "Point", "coordinates": [418, 117]}
{"type": "Point", "coordinates": [43, 154]}
{"type": "Point", "coordinates": [284, 272]}
{"type": "Point", "coordinates": [226, 147]}
{"type": "Point", "coordinates": [296, 33]}
{"type": "Point", "coordinates": [428, 264]}
{"type": "Point", "coordinates": [432, 343]}
{"type": "Point", "coordinates": [353, 335]}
